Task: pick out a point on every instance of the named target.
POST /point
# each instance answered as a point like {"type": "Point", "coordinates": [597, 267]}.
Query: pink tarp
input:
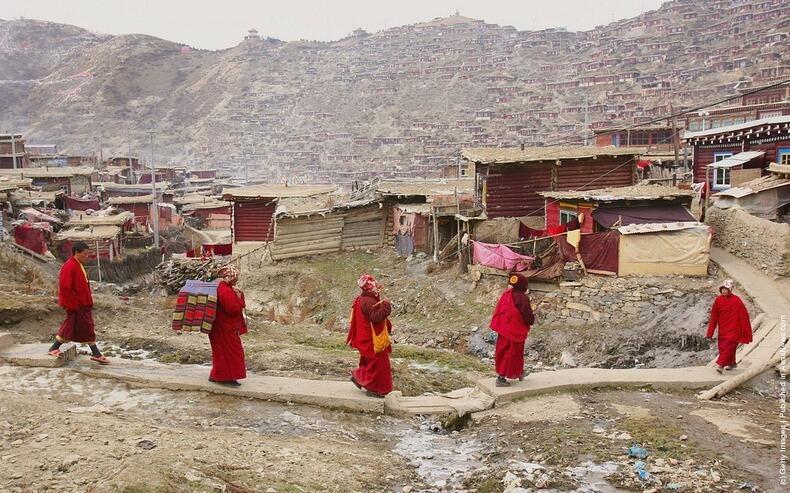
{"type": "Point", "coordinates": [499, 257]}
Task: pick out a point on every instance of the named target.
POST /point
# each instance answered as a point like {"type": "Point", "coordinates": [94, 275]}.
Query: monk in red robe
{"type": "Point", "coordinates": [730, 315]}
{"type": "Point", "coordinates": [74, 296]}
{"type": "Point", "coordinates": [368, 333]}
{"type": "Point", "coordinates": [227, 353]}
{"type": "Point", "coordinates": [511, 321]}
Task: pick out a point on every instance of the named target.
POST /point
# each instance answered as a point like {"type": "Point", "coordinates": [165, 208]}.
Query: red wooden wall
{"type": "Point", "coordinates": [253, 221]}
{"type": "Point", "coordinates": [512, 191]}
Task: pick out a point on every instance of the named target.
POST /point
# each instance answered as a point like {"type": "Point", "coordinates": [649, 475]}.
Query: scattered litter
{"type": "Point", "coordinates": [637, 452]}
{"type": "Point", "coordinates": [639, 469]}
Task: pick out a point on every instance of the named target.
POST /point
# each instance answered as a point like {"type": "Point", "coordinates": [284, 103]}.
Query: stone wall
{"type": "Point", "coordinates": [763, 243]}
{"type": "Point", "coordinates": [618, 300]}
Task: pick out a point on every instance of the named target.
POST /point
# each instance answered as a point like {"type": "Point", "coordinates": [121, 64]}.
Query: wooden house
{"type": "Point", "coordinates": [508, 180]}
{"type": "Point", "coordinates": [254, 208]}
{"type": "Point", "coordinates": [71, 180]}
{"type": "Point", "coordinates": [749, 145]}
{"type": "Point", "coordinates": [636, 230]}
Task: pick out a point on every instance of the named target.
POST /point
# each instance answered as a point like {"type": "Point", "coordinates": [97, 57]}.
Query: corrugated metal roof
{"type": "Point", "coordinates": [137, 199]}
{"type": "Point", "coordinates": [114, 187]}
{"type": "Point", "coordinates": [84, 219]}
{"type": "Point", "coordinates": [757, 185]}
{"type": "Point", "coordinates": [737, 159]}
{"type": "Point", "coordinates": [514, 155]}
{"type": "Point", "coordinates": [10, 184]}
{"type": "Point", "coordinates": [734, 128]}
{"type": "Point", "coordinates": [425, 187]}
{"type": "Point", "coordinates": [89, 233]}
{"type": "Point", "coordinates": [49, 172]}
{"type": "Point", "coordinates": [211, 204]}
{"type": "Point", "coordinates": [658, 227]}
{"type": "Point", "coordinates": [277, 191]}
{"type": "Point", "coordinates": [636, 192]}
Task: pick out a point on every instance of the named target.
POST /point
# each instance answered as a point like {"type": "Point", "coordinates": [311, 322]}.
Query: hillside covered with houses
{"type": "Point", "coordinates": [396, 103]}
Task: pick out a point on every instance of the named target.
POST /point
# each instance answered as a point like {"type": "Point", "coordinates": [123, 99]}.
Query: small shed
{"type": "Point", "coordinates": [636, 230]}
{"type": "Point", "coordinates": [213, 213]}
{"type": "Point", "coordinates": [421, 213]}
{"type": "Point", "coordinates": [508, 181]}
{"type": "Point", "coordinates": [618, 206]}
{"type": "Point", "coordinates": [767, 197]}
{"type": "Point", "coordinates": [103, 239]}
{"type": "Point", "coordinates": [73, 180]}
{"type": "Point", "coordinates": [254, 207]}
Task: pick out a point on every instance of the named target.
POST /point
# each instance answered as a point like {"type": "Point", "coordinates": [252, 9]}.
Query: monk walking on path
{"type": "Point", "coordinates": [227, 353]}
{"type": "Point", "coordinates": [511, 321]}
{"type": "Point", "coordinates": [369, 333]}
{"type": "Point", "coordinates": [729, 313]}
{"type": "Point", "coordinates": [74, 295]}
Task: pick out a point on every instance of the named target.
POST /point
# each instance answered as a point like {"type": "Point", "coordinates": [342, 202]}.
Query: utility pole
{"type": "Point", "coordinates": [155, 203]}
{"type": "Point", "coordinates": [13, 149]}
{"type": "Point", "coordinates": [675, 137]}
{"type": "Point", "coordinates": [129, 149]}
{"type": "Point", "coordinates": [586, 119]}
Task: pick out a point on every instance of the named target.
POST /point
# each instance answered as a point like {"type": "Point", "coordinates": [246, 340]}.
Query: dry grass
{"type": "Point", "coordinates": [21, 270]}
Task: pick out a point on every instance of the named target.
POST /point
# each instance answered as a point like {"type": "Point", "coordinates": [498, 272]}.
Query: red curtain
{"type": "Point", "coordinates": [599, 251]}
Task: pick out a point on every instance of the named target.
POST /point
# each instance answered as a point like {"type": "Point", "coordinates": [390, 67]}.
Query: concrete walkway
{"type": "Point", "coordinates": [768, 297]}
{"type": "Point", "coordinates": [344, 395]}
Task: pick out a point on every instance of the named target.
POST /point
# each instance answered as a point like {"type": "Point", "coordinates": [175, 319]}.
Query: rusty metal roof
{"type": "Point", "coordinates": [515, 155]}
{"type": "Point", "coordinates": [97, 220]}
{"type": "Point", "coordinates": [636, 192]}
{"type": "Point", "coordinates": [277, 191]}
{"type": "Point", "coordinates": [49, 172]}
{"type": "Point", "coordinates": [135, 199]}
{"type": "Point", "coordinates": [425, 187]}
{"type": "Point", "coordinates": [85, 232]}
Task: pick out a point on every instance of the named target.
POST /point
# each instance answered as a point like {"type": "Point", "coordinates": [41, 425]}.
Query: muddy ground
{"type": "Point", "coordinates": [67, 432]}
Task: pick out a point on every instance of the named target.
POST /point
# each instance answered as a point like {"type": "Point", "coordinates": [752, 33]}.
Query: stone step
{"type": "Point", "coordinates": [36, 355]}
{"type": "Point", "coordinates": [325, 393]}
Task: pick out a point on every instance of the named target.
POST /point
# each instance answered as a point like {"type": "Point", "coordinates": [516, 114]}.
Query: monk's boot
{"type": "Point", "coordinates": [731, 367]}
{"type": "Point", "coordinates": [502, 382]}
{"type": "Point", "coordinates": [719, 369]}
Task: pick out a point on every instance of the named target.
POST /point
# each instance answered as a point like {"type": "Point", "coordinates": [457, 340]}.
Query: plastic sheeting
{"type": "Point", "coordinates": [765, 204]}
{"type": "Point", "coordinates": [30, 237]}
{"type": "Point", "coordinates": [499, 257]}
{"type": "Point", "coordinates": [609, 216]}
{"type": "Point", "coordinates": [684, 252]}
{"type": "Point", "coordinates": [599, 251]}
{"type": "Point", "coordinates": [77, 204]}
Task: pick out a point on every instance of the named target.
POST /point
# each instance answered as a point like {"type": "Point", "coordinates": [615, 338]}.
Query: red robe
{"type": "Point", "coordinates": [511, 321]}
{"type": "Point", "coordinates": [729, 313]}
{"type": "Point", "coordinates": [74, 295]}
{"type": "Point", "coordinates": [227, 353]}
{"type": "Point", "coordinates": [374, 372]}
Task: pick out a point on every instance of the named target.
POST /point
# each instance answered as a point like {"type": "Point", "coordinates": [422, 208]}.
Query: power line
{"type": "Point", "coordinates": [684, 112]}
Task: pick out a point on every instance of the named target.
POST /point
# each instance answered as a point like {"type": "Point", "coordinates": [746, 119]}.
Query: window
{"type": "Point", "coordinates": [719, 156]}
{"type": "Point", "coordinates": [639, 138]}
{"type": "Point", "coordinates": [566, 216]}
{"type": "Point", "coordinates": [783, 155]}
{"type": "Point", "coordinates": [721, 178]}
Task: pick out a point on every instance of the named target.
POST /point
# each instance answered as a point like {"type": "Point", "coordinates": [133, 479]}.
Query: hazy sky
{"type": "Point", "coordinates": [221, 24]}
